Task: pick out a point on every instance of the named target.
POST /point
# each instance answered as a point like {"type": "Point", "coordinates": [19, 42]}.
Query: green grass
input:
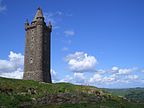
{"type": "Point", "coordinates": [14, 92]}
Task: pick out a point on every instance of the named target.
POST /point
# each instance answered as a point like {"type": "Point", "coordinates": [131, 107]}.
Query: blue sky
{"type": "Point", "coordinates": [94, 42]}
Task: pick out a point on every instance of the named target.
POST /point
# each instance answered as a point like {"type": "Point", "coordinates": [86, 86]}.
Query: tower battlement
{"type": "Point", "coordinates": [37, 49]}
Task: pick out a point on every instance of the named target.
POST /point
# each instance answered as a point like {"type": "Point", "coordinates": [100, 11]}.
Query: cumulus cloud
{"type": "Point", "coordinates": [132, 77]}
{"type": "Point", "coordinates": [103, 80]}
{"type": "Point", "coordinates": [69, 32]}
{"type": "Point", "coordinates": [95, 78]}
{"type": "Point", "coordinates": [115, 75]}
{"type": "Point", "coordinates": [2, 7]}
{"type": "Point", "coordinates": [81, 62]}
{"type": "Point", "coordinates": [17, 74]}
{"type": "Point", "coordinates": [13, 67]}
{"type": "Point", "coordinates": [111, 78]}
{"type": "Point", "coordinates": [14, 62]}
{"type": "Point", "coordinates": [129, 79]}
{"type": "Point", "coordinates": [117, 70]}
{"type": "Point", "coordinates": [98, 79]}
{"type": "Point", "coordinates": [125, 71]}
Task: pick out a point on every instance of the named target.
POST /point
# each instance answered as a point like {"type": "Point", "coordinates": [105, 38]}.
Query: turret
{"type": "Point", "coordinates": [26, 24]}
{"type": "Point", "coordinates": [50, 26]}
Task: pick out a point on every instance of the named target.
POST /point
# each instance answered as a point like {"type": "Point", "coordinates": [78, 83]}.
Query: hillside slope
{"type": "Point", "coordinates": [22, 93]}
{"type": "Point", "coordinates": [133, 94]}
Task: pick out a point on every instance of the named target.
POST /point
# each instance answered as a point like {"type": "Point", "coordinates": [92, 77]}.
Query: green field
{"type": "Point", "coordinates": [15, 93]}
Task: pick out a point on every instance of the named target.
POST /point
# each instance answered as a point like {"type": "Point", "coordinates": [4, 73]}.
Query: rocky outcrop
{"type": "Point", "coordinates": [64, 98]}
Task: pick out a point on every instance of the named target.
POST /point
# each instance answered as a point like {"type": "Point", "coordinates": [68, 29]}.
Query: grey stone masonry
{"type": "Point", "coordinates": [37, 49]}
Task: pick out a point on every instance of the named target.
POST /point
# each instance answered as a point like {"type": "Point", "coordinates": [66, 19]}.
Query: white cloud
{"type": "Point", "coordinates": [120, 71]}
{"type": "Point", "coordinates": [17, 74]}
{"type": "Point", "coordinates": [98, 79]}
{"type": "Point", "coordinates": [15, 61]}
{"type": "Point", "coordinates": [110, 78]}
{"type": "Point", "coordinates": [13, 67]}
{"type": "Point", "coordinates": [81, 62]}
{"type": "Point", "coordinates": [125, 71]}
{"type": "Point", "coordinates": [79, 78]}
{"type": "Point", "coordinates": [69, 32]}
{"type": "Point", "coordinates": [115, 68]}
{"type": "Point", "coordinates": [95, 78]}
{"type": "Point", "coordinates": [114, 76]}
{"type": "Point", "coordinates": [79, 75]}
{"type": "Point", "coordinates": [132, 77]}
{"type": "Point", "coordinates": [127, 79]}
{"type": "Point", "coordinates": [76, 78]}
{"type": "Point", "coordinates": [2, 7]}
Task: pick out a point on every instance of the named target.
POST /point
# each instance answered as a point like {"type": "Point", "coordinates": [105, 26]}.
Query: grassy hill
{"type": "Point", "coordinates": [22, 93]}
{"type": "Point", "coordinates": [133, 94]}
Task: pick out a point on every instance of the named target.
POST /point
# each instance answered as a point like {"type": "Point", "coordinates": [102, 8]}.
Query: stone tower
{"type": "Point", "coordinates": [37, 49]}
